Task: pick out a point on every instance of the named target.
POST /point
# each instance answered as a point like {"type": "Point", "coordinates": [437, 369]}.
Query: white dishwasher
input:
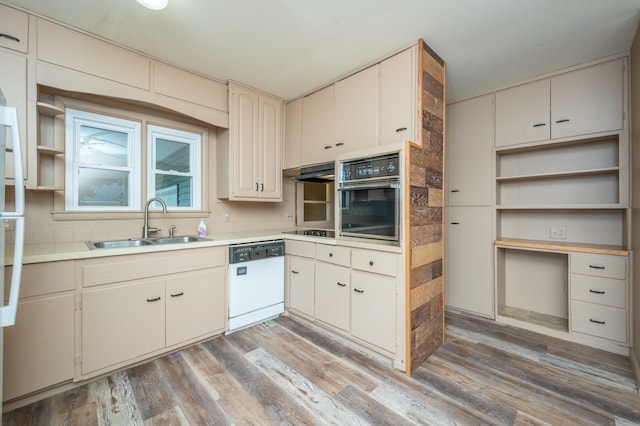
{"type": "Point", "coordinates": [256, 283]}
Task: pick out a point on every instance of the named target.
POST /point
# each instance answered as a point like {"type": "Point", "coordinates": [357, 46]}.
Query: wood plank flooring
{"type": "Point", "coordinates": [283, 372]}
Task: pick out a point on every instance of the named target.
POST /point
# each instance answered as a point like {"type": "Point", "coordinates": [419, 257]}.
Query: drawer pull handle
{"type": "Point", "coordinates": [177, 294]}
{"type": "Point", "coordinates": [455, 223]}
{"type": "Point", "coordinates": [256, 186]}
{"type": "Point", "coordinates": [328, 147]}
{"type": "Point", "coordinates": [294, 272]}
{"type": "Point", "coordinates": [596, 321]}
{"type": "Point", "coordinates": [540, 125]}
{"type": "Point", "coordinates": [10, 37]}
{"type": "Point", "coordinates": [596, 291]}
{"type": "Point", "coordinates": [596, 267]}
{"type": "Point", "coordinates": [371, 263]}
{"type": "Point", "coordinates": [564, 120]}
{"type": "Point", "coordinates": [153, 299]}
{"type": "Point", "coordinates": [455, 190]}
{"type": "Point", "coordinates": [401, 129]}
{"type": "Point", "coordinates": [340, 144]}
{"type": "Point", "coordinates": [357, 290]}
{"type": "Point", "coordinates": [341, 284]}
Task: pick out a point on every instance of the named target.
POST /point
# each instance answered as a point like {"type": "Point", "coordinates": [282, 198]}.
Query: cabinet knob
{"type": "Point", "coordinates": [10, 37]}
{"type": "Point", "coordinates": [330, 254]}
{"type": "Point", "coordinates": [371, 263]}
{"type": "Point", "coordinates": [153, 299]}
{"type": "Point", "coordinates": [177, 294]}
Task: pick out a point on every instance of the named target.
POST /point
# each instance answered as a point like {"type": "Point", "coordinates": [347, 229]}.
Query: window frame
{"type": "Point", "coordinates": [74, 119]}
{"type": "Point", "coordinates": [194, 140]}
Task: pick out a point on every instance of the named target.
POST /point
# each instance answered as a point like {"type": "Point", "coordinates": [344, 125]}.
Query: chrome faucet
{"type": "Point", "coordinates": [146, 229]}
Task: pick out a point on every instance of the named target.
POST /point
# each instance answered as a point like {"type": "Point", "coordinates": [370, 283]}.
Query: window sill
{"type": "Point", "coordinates": [115, 215]}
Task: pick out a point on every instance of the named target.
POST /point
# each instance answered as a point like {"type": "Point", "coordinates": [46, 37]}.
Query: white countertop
{"type": "Point", "coordinates": [52, 252]}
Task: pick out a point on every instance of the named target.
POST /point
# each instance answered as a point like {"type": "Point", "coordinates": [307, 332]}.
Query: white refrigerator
{"type": "Point", "coordinates": [10, 144]}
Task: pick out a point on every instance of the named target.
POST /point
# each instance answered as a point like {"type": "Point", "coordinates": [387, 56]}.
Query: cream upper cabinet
{"type": "Point", "coordinates": [398, 98]}
{"type": "Point", "coordinates": [14, 26]}
{"type": "Point", "coordinates": [292, 134]}
{"type": "Point", "coordinates": [255, 145]}
{"type": "Point", "coordinates": [581, 102]}
{"type": "Point", "coordinates": [468, 152]}
{"type": "Point", "coordinates": [523, 113]}
{"type": "Point", "coordinates": [356, 111]}
{"type": "Point", "coordinates": [318, 127]}
{"type": "Point", "coordinates": [588, 100]}
{"type": "Point", "coordinates": [14, 88]}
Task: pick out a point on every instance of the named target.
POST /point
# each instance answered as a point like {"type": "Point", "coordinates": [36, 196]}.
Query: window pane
{"type": "Point", "coordinates": [105, 188]}
{"type": "Point", "coordinates": [174, 190]}
{"type": "Point", "coordinates": [103, 147]}
{"type": "Point", "coordinates": [172, 155]}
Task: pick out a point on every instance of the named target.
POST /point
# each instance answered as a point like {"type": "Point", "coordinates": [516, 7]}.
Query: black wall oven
{"type": "Point", "coordinates": [369, 198]}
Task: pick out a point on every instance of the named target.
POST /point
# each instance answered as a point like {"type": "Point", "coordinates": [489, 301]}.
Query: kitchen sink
{"type": "Point", "coordinates": [139, 242]}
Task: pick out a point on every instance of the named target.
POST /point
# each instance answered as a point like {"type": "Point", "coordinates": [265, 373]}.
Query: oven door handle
{"type": "Point", "coordinates": [387, 184]}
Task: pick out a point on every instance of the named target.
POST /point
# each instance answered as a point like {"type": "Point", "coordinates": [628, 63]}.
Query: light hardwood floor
{"type": "Point", "coordinates": [283, 372]}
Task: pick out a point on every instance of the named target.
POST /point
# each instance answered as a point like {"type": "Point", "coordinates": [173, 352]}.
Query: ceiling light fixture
{"type": "Point", "coordinates": [154, 4]}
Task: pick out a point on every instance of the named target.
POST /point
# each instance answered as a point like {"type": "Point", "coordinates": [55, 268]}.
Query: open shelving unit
{"type": "Point", "coordinates": [50, 147]}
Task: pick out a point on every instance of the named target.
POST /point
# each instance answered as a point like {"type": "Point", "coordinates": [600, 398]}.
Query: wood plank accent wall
{"type": "Point", "coordinates": [425, 221]}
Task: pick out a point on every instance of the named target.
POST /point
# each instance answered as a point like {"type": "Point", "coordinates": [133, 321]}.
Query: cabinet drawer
{"type": "Point", "coordinates": [43, 278]}
{"type": "Point", "coordinates": [334, 254]}
{"type": "Point", "coordinates": [300, 248]}
{"type": "Point", "coordinates": [598, 320]}
{"type": "Point", "coordinates": [603, 291]}
{"type": "Point", "coordinates": [377, 262]}
{"type": "Point", "coordinates": [14, 24]}
{"type": "Point", "coordinates": [599, 265]}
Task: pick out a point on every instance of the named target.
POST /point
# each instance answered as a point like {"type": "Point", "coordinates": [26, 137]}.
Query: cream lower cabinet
{"type": "Point", "coordinates": [373, 309]}
{"type": "Point", "coordinates": [138, 306]}
{"type": "Point", "coordinates": [332, 294]}
{"type": "Point", "coordinates": [302, 285]}
{"type": "Point", "coordinates": [39, 348]}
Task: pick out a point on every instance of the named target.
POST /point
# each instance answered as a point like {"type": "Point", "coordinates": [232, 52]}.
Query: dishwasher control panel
{"type": "Point", "coordinates": [255, 251]}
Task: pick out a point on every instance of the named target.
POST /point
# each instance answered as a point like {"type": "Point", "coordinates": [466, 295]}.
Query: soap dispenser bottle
{"type": "Point", "coordinates": [202, 229]}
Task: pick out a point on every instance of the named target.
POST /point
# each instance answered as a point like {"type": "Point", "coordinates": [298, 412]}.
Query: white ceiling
{"type": "Point", "coordinates": [292, 47]}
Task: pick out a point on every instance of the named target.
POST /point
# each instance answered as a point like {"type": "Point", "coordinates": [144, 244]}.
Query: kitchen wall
{"type": "Point", "coordinates": [222, 217]}
{"type": "Point", "coordinates": [635, 197]}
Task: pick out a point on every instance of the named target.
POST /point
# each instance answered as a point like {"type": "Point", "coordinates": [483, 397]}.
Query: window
{"type": "Point", "coordinates": [174, 167]}
{"type": "Point", "coordinates": [103, 159]}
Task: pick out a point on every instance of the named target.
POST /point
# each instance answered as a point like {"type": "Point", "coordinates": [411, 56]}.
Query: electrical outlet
{"type": "Point", "coordinates": [288, 216]}
{"type": "Point", "coordinates": [558, 233]}
{"type": "Point", "coordinates": [8, 225]}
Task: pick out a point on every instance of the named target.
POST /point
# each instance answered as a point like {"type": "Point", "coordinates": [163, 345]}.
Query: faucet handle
{"type": "Point", "coordinates": [171, 229]}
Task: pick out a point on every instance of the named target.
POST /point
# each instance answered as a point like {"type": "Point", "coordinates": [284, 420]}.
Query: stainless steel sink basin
{"type": "Point", "coordinates": [138, 242]}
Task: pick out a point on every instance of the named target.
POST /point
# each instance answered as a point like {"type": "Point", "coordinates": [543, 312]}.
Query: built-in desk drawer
{"type": "Point", "coordinates": [604, 291]}
{"type": "Point", "coordinates": [334, 254]}
{"type": "Point", "coordinates": [599, 320]}
{"type": "Point", "coordinates": [599, 265]}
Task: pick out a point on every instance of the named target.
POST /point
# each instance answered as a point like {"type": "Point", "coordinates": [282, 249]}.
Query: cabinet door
{"type": "Point", "coordinates": [523, 113]}
{"type": "Point", "coordinates": [318, 127]}
{"type": "Point", "coordinates": [356, 111]}
{"type": "Point", "coordinates": [270, 141]}
{"type": "Point", "coordinates": [293, 134]}
{"type": "Point", "coordinates": [332, 295]}
{"type": "Point", "coordinates": [195, 304]}
{"type": "Point", "coordinates": [398, 98]}
{"type": "Point", "coordinates": [588, 100]}
{"type": "Point", "coordinates": [469, 265]}
{"type": "Point", "coordinates": [469, 138]}
{"type": "Point", "coordinates": [301, 284]}
{"type": "Point", "coordinates": [39, 349]}
{"type": "Point", "coordinates": [15, 24]}
{"type": "Point", "coordinates": [373, 309]}
{"type": "Point", "coordinates": [122, 323]}
{"type": "Point", "coordinates": [243, 125]}
{"type": "Point", "coordinates": [14, 87]}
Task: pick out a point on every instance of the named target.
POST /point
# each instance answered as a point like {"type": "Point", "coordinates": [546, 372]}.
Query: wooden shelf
{"type": "Point", "coordinates": [561, 207]}
{"type": "Point", "coordinates": [562, 246]}
{"type": "Point", "coordinates": [49, 110]}
{"type": "Point", "coordinates": [591, 172]}
{"type": "Point", "coordinates": [49, 188]}
{"type": "Point", "coordinates": [49, 150]}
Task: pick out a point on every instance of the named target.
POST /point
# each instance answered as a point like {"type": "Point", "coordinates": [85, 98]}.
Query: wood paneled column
{"type": "Point", "coordinates": [425, 283]}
